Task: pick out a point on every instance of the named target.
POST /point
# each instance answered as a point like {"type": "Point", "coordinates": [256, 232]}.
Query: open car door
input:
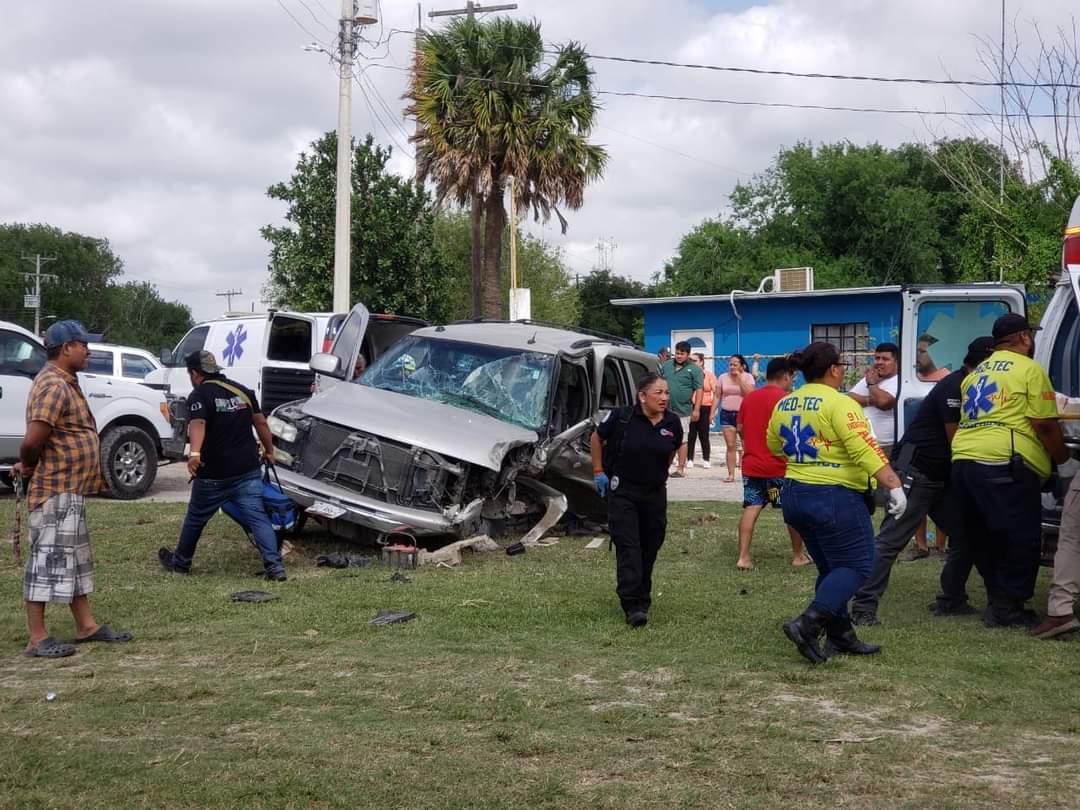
{"type": "Point", "coordinates": [338, 365]}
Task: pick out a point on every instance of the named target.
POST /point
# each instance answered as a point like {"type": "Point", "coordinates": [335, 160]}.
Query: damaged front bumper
{"type": "Point", "coordinates": [380, 516]}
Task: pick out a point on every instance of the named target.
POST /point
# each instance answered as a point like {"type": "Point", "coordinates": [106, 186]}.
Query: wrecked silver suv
{"type": "Point", "coordinates": [455, 430]}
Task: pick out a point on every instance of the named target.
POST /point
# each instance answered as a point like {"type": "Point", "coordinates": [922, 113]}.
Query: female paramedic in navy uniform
{"type": "Point", "coordinates": [831, 456]}
{"type": "Point", "coordinates": [632, 450]}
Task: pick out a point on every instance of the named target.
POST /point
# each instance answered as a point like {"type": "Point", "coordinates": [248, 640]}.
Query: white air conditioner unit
{"type": "Point", "coordinates": [793, 279]}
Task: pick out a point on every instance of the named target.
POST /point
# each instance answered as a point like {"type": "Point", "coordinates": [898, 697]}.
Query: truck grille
{"type": "Point", "coordinates": [380, 469]}
{"type": "Point", "coordinates": [281, 385]}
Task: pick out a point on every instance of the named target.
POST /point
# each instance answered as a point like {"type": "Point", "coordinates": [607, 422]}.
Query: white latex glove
{"type": "Point", "coordinates": [897, 502]}
{"type": "Point", "coordinates": [1068, 469]}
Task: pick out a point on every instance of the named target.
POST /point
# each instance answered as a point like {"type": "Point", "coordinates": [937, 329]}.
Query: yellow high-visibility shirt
{"type": "Point", "coordinates": [825, 437]}
{"type": "Point", "coordinates": [998, 400]}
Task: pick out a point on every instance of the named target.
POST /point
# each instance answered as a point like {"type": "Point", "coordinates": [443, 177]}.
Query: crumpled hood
{"type": "Point", "coordinates": [463, 434]}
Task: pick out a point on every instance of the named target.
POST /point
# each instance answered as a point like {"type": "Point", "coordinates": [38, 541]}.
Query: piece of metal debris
{"type": "Point", "coordinates": [391, 617]}
{"type": "Point", "coordinates": [253, 596]}
{"type": "Point", "coordinates": [400, 577]}
{"type": "Point", "coordinates": [596, 542]}
{"type": "Point", "coordinates": [343, 561]}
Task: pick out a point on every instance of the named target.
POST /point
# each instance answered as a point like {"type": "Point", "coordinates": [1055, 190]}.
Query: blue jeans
{"type": "Point", "coordinates": [207, 496]}
{"type": "Point", "coordinates": [838, 533]}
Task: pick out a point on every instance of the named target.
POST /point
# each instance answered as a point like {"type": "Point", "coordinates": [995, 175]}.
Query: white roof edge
{"type": "Point", "coordinates": [725, 297]}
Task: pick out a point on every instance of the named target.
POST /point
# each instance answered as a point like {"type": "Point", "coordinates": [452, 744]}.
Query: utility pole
{"type": "Point", "coordinates": [343, 209]}
{"type": "Point", "coordinates": [229, 295]}
{"type": "Point", "coordinates": [472, 9]}
{"type": "Point", "coordinates": [32, 300]}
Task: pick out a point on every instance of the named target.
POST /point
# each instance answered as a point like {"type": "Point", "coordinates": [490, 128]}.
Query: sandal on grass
{"type": "Point", "coordinates": [106, 634]}
{"type": "Point", "coordinates": [50, 648]}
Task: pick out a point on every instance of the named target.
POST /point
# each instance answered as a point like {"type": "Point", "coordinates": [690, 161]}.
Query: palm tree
{"type": "Point", "coordinates": [487, 109]}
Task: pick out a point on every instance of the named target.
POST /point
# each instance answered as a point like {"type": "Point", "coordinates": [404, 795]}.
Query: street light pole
{"type": "Point", "coordinates": [343, 208]}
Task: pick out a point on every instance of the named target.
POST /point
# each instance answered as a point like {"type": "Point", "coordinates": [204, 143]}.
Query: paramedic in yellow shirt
{"type": "Point", "coordinates": [832, 457]}
{"type": "Point", "coordinates": [1007, 436]}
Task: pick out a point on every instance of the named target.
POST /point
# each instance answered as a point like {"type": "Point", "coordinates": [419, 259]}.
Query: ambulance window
{"type": "Point", "coordinates": [945, 328]}
{"type": "Point", "coordinates": [1065, 355]}
{"type": "Point", "coordinates": [193, 342]}
{"type": "Point", "coordinates": [290, 340]}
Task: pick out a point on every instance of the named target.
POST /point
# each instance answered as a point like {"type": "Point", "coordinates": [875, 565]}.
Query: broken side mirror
{"type": "Point", "coordinates": [326, 363]}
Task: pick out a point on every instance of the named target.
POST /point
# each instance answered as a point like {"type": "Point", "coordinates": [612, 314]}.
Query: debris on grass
{"type": "Point", "coordinates": [451, 554]}
{"type": "Point", "coordinates": [596, 542]}
{"type": "Point", "coordinates": [392, 617]}
{"type": "Point", "coordinates": [343, 561]}
{"type": "Point", "coordinates": [253, 596]}
{"type": "Point", "coordinates": [399, 577]}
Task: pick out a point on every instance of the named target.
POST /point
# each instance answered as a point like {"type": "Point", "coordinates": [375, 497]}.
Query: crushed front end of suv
{"type": "Point", "coordinates": [468, 428]}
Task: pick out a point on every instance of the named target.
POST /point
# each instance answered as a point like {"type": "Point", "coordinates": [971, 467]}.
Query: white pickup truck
{"type": "Point", "coordinates": [133, 419]}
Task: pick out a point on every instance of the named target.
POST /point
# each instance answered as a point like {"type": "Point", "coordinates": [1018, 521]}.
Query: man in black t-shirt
{"type": "Point", "coordinates": [923, 461]}
{"type": "Point", "coordinates": [225, 463]}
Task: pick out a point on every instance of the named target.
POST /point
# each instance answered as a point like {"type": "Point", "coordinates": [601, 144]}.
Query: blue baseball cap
{"type": "Point", "coordinates": [63, 332]}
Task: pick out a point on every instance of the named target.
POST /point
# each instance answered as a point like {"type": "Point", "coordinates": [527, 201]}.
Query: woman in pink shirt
{"type": "Point", "coordinates": [731, 387]}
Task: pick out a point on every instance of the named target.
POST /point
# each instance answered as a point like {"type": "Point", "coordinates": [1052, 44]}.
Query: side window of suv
{"type": "Point", "coordinates": [613, 393]}
{"type": "Point", "coordinates": [19, 355]}
{"type": "Point", "coordinates": [637, 371]}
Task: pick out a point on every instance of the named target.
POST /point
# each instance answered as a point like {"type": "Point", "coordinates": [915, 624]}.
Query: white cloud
{"type": "Point", "coordinates": [160, 125]}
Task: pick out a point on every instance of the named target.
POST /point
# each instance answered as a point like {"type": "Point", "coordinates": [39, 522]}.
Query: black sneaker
{"type": "Point", "coordinates": [168, 562]}
{"type": "Point", "coordinates": [865, 618]}
{"type": "Point", "coordinates": [275, 576]}
{"type": "Point", "coordinates": [637, 618]}
{"type": "Point", "coordinates": [1028, 619]}
{"type": "Point", "coordinates": [951, 609]}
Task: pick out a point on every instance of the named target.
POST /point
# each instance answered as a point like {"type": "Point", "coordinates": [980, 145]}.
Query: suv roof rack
{"type": "Point", "coordinates": [598, 337]}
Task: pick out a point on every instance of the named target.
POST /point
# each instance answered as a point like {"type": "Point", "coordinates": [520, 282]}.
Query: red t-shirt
{"type": "Point", "coordinates": [754, 415]}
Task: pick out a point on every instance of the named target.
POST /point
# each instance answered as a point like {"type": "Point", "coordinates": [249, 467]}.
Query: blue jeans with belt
{"type": "Point", "coordinates": [207, 496]}
{"type": "Point", "coordinates": [836, 528]}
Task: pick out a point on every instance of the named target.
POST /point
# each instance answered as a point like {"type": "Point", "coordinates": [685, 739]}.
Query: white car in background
{"type": "Point", "coordinates": [132, 419]}
{"type": "Point", "coordinates": [121, 362]}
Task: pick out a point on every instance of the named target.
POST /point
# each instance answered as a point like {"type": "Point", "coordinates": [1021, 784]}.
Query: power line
{"type": "Point", "coordinates": [328, 29]}
{"type": "Point", "coordinates": [375, 114]}
{"type": "Point", "coordinates": [301, 26]}
{"type": "Point", "coordinates": [673, 151]}
{"type": "Point", "coordinates": [835, 76]}
{"type": "Point", "coordinates": [772, 104]}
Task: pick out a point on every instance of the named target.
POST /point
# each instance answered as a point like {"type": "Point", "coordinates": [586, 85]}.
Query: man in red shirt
{"type": "Point", "coordinates": [763, 473]}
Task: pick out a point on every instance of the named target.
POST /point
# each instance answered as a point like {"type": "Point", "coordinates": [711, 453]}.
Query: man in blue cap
{"type": "Point", "coordinates": [61, 457]}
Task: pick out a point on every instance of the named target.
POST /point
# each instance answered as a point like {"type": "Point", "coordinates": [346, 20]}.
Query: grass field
{"type": "Point", "coordinates": [519, 685]}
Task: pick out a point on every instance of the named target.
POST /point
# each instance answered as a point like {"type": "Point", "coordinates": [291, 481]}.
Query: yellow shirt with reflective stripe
{"type": "Point", "coordinates": [998, 400]}
{"type": "Point", "coordinates": [825, 437]}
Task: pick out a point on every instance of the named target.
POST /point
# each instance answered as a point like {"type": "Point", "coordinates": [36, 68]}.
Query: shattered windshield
{"type": "Point", "coordinates": [508, 384]}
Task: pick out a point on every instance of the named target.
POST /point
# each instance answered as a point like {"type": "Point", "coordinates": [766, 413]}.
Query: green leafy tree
{"type": "Point", "coordinates": [394, 266]}
{"type": "Point", "coordinates": [488, 108]}
{"type": "Point", "coordinates": [540, 268]}
{"type": "Point", "coordinates": [597, 290]}
{"type": "Point", "coordinates": [87, 288]}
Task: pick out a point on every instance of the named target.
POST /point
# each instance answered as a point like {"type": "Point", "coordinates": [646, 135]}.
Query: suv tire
{"type": "Point", "coordinates": [128, 461]}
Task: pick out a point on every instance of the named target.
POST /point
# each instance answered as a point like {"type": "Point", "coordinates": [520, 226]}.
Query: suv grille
{"type": "Point", "coordinates": [380, 469]}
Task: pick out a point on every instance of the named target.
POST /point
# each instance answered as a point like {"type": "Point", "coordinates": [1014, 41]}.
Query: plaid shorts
{"type": "Point", "coordinates": [59, 566]}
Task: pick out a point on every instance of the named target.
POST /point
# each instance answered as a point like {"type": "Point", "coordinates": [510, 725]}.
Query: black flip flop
{"type": "Point", "coordinates": [107, 635]}
{"type": "Point", "coordinates": [50, 648]}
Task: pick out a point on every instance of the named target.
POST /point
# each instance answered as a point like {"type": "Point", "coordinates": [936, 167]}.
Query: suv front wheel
{"type": "Point", "coordinates": [128, 461]}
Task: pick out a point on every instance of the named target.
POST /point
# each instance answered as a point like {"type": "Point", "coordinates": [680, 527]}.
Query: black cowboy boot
{"type": "Point", "coordinates": [805, 633]}
{"type": "Point", "coordinates": [840, 638]}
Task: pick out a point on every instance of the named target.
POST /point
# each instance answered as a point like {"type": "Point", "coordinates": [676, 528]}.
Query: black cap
{"type": "Point", "coordinates": [978, 350]}
{"type": "Point", "coordinates": [1011, 324]}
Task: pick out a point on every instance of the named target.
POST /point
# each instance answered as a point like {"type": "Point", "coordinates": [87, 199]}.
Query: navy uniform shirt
{"type": "Point", "coordinates": [228, 449]}
{"type": "Point", "coordinates": [927, 431]}
{"type": "Point", "coordinates": [646, 449]}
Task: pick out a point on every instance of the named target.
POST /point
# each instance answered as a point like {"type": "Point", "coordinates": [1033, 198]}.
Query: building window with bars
{"type": "Point", "coordinates": [852, 340]}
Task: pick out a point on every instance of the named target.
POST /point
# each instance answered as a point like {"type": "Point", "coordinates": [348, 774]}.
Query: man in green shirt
{"type": "Point", "coordinates": [1007, 436]}
{"type": "Point", "coordinates": [685, 381]}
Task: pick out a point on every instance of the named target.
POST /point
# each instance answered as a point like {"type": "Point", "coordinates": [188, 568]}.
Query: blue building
{"type": "Point", "coordinates": [773, 323]}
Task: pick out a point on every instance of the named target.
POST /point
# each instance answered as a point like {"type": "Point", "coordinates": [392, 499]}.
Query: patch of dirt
{"type": "Point", "coordinates": [828, 707]}
{"type": "Point", "coordinates": [580, 679]}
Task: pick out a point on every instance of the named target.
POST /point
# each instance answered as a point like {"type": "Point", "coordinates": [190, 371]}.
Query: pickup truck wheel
{"type": "Point", "coordinates": [128, 462]}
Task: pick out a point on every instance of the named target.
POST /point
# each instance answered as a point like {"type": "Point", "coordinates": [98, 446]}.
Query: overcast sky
{"type": "Point", "coordinates": [159, 125]}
